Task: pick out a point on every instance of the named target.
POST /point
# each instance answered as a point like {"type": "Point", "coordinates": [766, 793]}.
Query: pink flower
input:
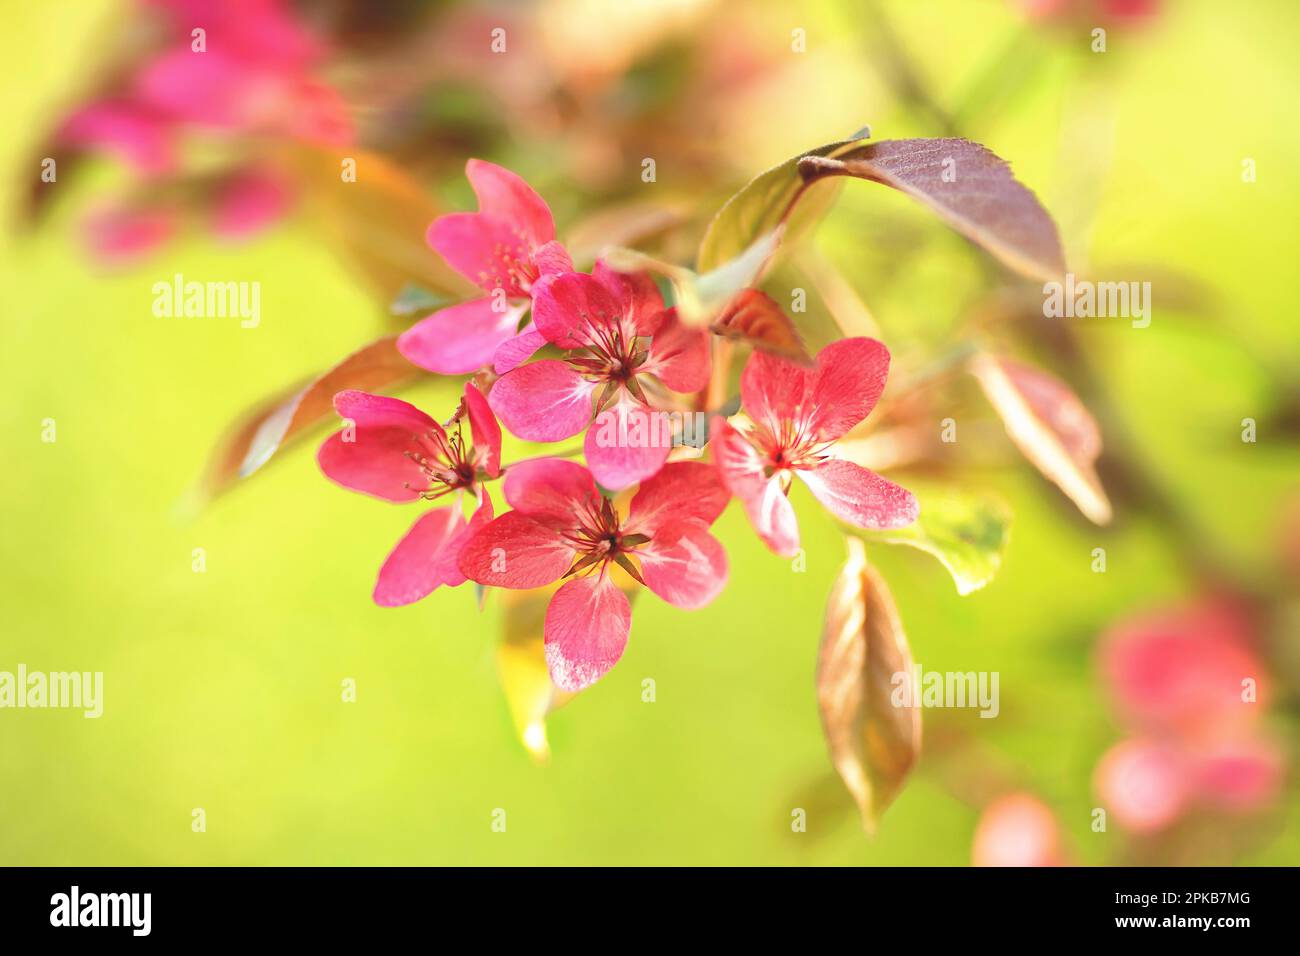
{"type": "Point", "coordinates": [392, 450]}
{"type": "Point", "coordinates": [795, 417]}
{"type": "Point", "coordinates": [254, 74]}
{"type": "Point", "coordinates": [504, 248]}
{"type": "Point", "coordinates": [249, 200]}
{"type": "Point", "coordinates": [1189, 686]}
{"type": "Point", "coordinates": [118, 234]}
{"type": "Point", "coordinates": [623, 350]}
{"type": "Point", "coordinates": [562, 527]}
{"type": "Point", "coordinates": [1180, 672]}
{"type": "Point", "coordinates": [1017, 830]}
{"type": "Point", "coordinates": [253, 78]}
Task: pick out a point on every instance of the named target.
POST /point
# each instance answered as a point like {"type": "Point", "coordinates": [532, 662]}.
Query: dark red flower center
{"type": "Point", "coordinates": [787, 447]}
{"type": "Point", "coordinates": [599, 539]}
{"type": "Point", "coordinates": [445, 459]}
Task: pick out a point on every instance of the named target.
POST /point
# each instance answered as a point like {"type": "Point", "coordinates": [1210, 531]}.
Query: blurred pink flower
{"type": "Point", "coordinates": [1017, 830]}
{"type": "Point", "coordinates": [120, 233]}
{"type": "Point", "coordinates": [391, 450]}
{"type": "Point", "coordinates": [1090, 11]}
{"type": "Point", "coordinates": [621, 347]}
{"type": "Point", "coordinates": [505, 248]}
{"type": "Point", "coordinates": [251, 78]}
{"type": "Point", "coordinates": [249, 200]}
{"type": "Point", "coordinates": [562, 526]}
{"type": "Point", "coordinates": [796, 415]}
{"type": "Point", "coordinates": [1188, 685]}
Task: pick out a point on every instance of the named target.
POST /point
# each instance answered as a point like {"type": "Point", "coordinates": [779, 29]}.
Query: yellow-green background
{"type": "Point", "coordinates": [223, 688]}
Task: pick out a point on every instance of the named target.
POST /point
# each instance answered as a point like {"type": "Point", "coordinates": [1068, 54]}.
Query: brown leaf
{"type": "Point", "coordinates": [259, 434]}
{"type": "Point", "coordinates": [966, 184]}
{"type": "Point", "coordinates": [755, 317]}
{"type": "Point", "coordinates": [1050, 426]}
{"type": "Point", "coordinates": [873, 743]}
{"type": "Point", "coordinates": [377, 223]}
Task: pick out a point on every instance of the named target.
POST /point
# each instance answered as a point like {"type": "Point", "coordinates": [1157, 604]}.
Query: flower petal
{"type": "Point", "coordinates": [636, 294]}
{"type": "Point", "coordinates": [370, 455]}
{"type": "Point", "coordinates": [1144, 784]}
{"type": "Point", "coordinates": [773, 390]}
{"type": "Point", "coordinates": [120, 233]}
{"type": "Point", "coordinates": [1240, 775]}
{"type": "Point", "coordinates": [505, 195]}
{"type": "Point", "coordinates": [567, 308]}
{"type": "Point", "coordinates": [552, 489]}
{"type": "Point", "coordinates": [484, 429]}
{"type": "Point", "coordinates": [485, 249]}
{"type": "Point", "coordinates": [627, 443]}
{"type": "Point", "coordinates": [214, 89]}
{"type": "Point", "coordinates": [850, 376]}
{"type": "Point", "coordinates": [684, 564]}
{"type": "Point", "coordinates": [461, 338]}
{"type": "Point", "coordinates": [542, 401]}
{"type": "Point", "coordinates": [514, 352]}
{"type": "Point", "coordinates": [1017, 829]}
{"type": "Point", "coordinates": [679, 356]}
{"type": "Point", "coordinates": [552, 259]}
{"type": "Point", "coordinates": [860, 497]}
{"type": "Point", "coordinates": [741, 471]}
{"type": "Point", "coordinates": [375, 464]}
{"type": "Point", "coordinates": [586, 629]}
{"type": "Point", "coordinates": [249, 201]}
{"type": "Point", "coordinates": [515, 551]}
{"type": "Point", "coordinates": [135, 135]}
{"type": "Point", "coordinates": [681, 489]}
{"type": "Point", "coordinates": [419, 563]}
{"type": "Point", "coordinates": [382, 411]}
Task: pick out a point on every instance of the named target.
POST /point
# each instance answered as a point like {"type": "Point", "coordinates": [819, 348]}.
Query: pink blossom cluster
{"type": "Point", "coordinates": [555, 354]}
{"type": "Point", "coordinates": [1192, 694]}
{"type": "Point", "coordinates": [244, 70]}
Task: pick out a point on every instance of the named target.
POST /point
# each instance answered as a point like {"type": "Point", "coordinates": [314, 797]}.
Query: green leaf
{"type": "Point", "coordinates": [966, 531]}
{"type": "Point", "coordinates": [965, 184]}
{"type": "Point", "coordinates": [764, 204]}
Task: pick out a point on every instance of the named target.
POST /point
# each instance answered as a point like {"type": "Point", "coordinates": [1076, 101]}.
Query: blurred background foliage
{"type": "Point", "coordinates": [223, 688]}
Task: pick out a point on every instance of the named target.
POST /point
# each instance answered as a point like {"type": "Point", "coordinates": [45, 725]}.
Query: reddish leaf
{"type": "Point", "coordinates": [1050, 426]}
{"type": "Point", "coordinates": [965, 183]}
{"type": "Point", "coordinates": [262, 432]}
{"type": "Point", "coordinates": [873, 743]}
{"type": "Point", "coordinates": [754, 317]}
